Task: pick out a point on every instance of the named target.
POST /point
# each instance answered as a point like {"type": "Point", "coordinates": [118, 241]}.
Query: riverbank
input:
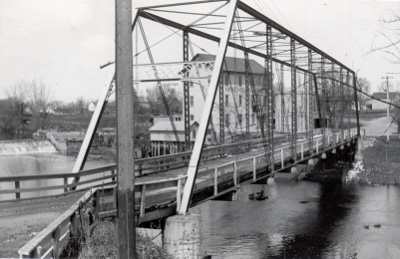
{"type": "Point", "coordinates": [380, 164]}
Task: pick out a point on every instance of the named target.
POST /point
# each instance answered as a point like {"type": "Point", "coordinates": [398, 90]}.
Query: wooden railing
{"type": "Point", "coordinates": [101, 201]}
{"type": "Point", "coordinates": [89, 178]}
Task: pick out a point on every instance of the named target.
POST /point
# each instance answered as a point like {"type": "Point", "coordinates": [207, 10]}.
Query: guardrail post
{"type": "Point", "coordinates": [254, 169]}
{"type": "Point", "coordinates": [65, 184]}
{"type": "Point", "coordinates": [302, 151]}
{"type": "Point", "coordinates": [56, 241]}
{"type": "Point", "coordinates": [216, 181]}
{"type": "Point", "coordinates": [113, 173]}
{"type": "Point", "coordinates": [235, 180]}
{"type": "Point", "coordinates": [143, 201]}
{"type": "Point", "coordinates": [178, 194]}
{"type": "Point", "coordinates": [282, 160]}
{"type": "Point", "coordinates": [17, 194]}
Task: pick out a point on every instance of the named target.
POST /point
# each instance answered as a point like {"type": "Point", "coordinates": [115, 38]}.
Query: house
{"type": "Point", "coordinates": [374, 104]}
{"type": "Point", "coordinates": [234, 103]}
{"type": "Point", "coordinates": [91, 107]}
{"type": "Point", "coordinates": [162, 136]}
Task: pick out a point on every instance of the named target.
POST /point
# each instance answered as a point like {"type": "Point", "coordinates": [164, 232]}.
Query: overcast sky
{"type": "Point", "coordinates": [63, 42]}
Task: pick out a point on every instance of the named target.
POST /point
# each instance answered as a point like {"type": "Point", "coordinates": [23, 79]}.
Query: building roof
{"type": "Point", "coordinates": [233, 64]}
{"type": "Point", "coordinates": [166, 126]}
{"type": "Point", "coordinates": [382, 95]}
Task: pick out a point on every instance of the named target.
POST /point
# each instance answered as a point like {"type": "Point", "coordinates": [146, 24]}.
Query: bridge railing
{"type": "Point", "coordinates": [54, 184]}
{"type": "Point", "coordinates": [165, 194]}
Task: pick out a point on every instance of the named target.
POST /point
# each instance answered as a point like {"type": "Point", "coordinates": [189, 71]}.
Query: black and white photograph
{"type": "Point", "coordinates": [219, 129]}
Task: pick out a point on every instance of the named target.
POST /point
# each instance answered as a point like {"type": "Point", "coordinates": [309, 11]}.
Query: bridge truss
{"type": "Point", "coordinates": [302, 88]}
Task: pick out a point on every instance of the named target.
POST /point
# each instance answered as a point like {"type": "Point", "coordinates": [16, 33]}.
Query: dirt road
{"type": "Point", "coordinates": [377, 127]}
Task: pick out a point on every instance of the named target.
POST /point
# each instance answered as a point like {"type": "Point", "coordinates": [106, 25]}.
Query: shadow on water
{"type": "Point", "coordinates": [314, 240]}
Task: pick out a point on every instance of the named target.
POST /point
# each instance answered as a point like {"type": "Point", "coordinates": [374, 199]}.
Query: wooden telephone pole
{"type": "Point", "coordinates": [388, 106]}
{"type": "Point", "coordinates": [125, 122]}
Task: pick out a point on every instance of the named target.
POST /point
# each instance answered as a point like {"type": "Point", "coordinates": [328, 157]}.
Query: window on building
{"type": "Point", "coordinates": [194, 133]}
{"type": "Point", "coordinates": [240, 119]}
{"type": "Point", "coordinates": [209, 80]}
{"type": "Point", "coordinates": [226, 100]}
{"type": "Point", "coordinates": [191, 101]}
{"type": "Point", "coordinates": [240, 80]}
{"type": "Point", "coordinates": [227, 122]}
{"type": "Point", "coordinates": [192, 117]}
{"type": "Point", "coordinates": [240, 100]}
{"type": "Point", "coordinates": [253, 118]}
{"type": "Point", "coordinates": [226, 79]}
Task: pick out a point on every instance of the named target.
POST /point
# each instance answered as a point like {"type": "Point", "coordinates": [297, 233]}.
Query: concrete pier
{"type": "Point", "coordinates": [182, 236]}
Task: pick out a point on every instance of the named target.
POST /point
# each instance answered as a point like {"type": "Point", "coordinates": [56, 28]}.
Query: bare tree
{"type": "Point", "coordinates": [15, 106]}
{"type": "Point", "coordinates": [364, 86]}
{"type": "Point", "coordinates": [387, 39]}
{"type": "Point", "coordinates": [81, 104]}
{"type": "Point", "coordinates": [39, 95]}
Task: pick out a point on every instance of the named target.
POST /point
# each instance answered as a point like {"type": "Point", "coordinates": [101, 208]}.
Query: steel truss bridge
{"type": "Point", "coordinates": [300, 82]}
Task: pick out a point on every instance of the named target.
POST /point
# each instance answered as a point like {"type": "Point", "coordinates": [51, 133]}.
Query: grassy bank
{"type": "Point", "coordinates": [101, 241]}
{"type": "Point", "coordinates": [381, 161]}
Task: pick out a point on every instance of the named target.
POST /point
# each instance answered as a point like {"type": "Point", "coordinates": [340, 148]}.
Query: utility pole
{"type": "Point", "coordinates": [125, 123]}
{"type": "Point", "coordinates": [388, 106]}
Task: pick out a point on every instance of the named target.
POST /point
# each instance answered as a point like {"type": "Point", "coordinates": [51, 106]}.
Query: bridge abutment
{"type": "Point", "coordinates": [182, 236]}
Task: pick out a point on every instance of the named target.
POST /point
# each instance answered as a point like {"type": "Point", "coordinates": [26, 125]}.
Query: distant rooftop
{"type": "Point", "coordinates": [382, 95]}
{"type": "Point", "coordinates": [166, 126]}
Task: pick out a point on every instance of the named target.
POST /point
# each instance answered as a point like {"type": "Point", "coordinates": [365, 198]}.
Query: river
{"type": "Point", "coordinates": [304, 220]}
{"type": "Point", "coordinates": [298, 220]}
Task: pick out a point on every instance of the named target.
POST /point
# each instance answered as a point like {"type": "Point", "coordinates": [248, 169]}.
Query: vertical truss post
{"type": "Point", "coordinates": [324, 104]}
{"type": "Point", "coordinates": [341, 98]}
{"type": "Point", "coordinates": [186, 93]}
{"type": "Point", "coordinates": [310, 102]}
{"type": "Point", "coordinates": [356, 102]}
{"type": "Point", "coordinates": [247, 103]}
{"type": "Point", "coordinates": [293, 93]}
{"type": "Point", "coordinates": [270, 94]}
{"type": "Point", "coordinates": [334, 96]}
{"type": "Point", "coordinates": [205, 117]}
{"type": "Point", "coordinates": [221, 110]}
{"type": "Point", "coordinates": [348, 100]}
{"type": "Point", "coordinates": [282, 92]}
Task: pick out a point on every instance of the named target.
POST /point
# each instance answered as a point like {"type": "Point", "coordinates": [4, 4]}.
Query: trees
{"type": "Point", "coordinates": [39, 96]}
{"type": "Point", "coordinates": [388, 38]}
{"type": "Point", "coordinates": [25, 107]}
{"type": "Point", "coordinates": [157, 104]}
{"type": "Point", "coordinates": [364, 86]}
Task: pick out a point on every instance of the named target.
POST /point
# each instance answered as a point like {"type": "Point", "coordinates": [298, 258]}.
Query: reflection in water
{"type": "Point", "coordinates": [304, 220]}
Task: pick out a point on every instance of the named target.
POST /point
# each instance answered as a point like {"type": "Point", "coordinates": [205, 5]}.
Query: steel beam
{"type": "Point", "coordinates": [310, 103]}
{"type": "Point", "coordinates": [94, 122]}
{"type": "Point", "coordinates": [270, 94]}
{"type": "Point", "coordinates": [293, 93]}
{"type": "Point", "coordinates": [282, 92]}
{"type": "Point", "coordinates": [186, 92]}
{"type": "Point", "coordinates": [205, 118]}
{"type": "Point", "coordinates": [247, 9]}
{"type": "Point", "coordinates": [221, 87]}
{"type": "Point", "coordinates": [342, 101]}
{"type": "Point", "coordinates": [324, 103]}
{"type": "Point", "coordinates": [159, 19]}
{"type": "Point", "coordinates": [356, 103]}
